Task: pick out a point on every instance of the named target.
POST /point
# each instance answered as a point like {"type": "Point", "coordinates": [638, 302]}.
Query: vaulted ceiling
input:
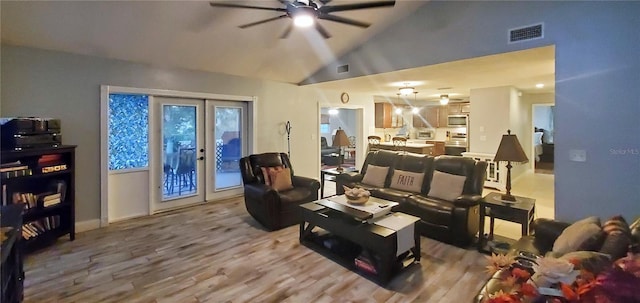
{"type": "Point", "coordinates": [191, 34]}
{"type": "Point", "coordinates": [194, 35]}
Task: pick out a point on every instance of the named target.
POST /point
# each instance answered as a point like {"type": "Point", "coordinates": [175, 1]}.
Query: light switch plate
{"type": "Point", "coordinates": [578, 155]}
{"type": "Point", "coordinates": [483, 138]}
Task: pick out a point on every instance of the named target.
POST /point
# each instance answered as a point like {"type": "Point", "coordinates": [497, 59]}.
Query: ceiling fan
{"type": "Point", "coordinates": [306, 12]}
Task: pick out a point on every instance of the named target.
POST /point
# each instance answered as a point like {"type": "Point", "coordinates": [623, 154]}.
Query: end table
{"type": "Point", "coordinates": [330, 174]}
{"type": "Point", "coordinates": [522, 211]}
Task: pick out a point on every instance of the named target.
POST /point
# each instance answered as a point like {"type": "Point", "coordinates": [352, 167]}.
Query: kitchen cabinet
{"type": "Point", "coordinates": [385, 116]}
{"type": "Point", "coordinates": [443, 114]}
{"type": "Point", "coordinates": [458, 108]}
{"type": "Point", "coordinates": [426, 118]}
{"type": "Point", "coordinates": [438, 148]}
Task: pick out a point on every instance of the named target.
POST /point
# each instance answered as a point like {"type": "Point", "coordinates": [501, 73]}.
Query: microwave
{"type": "Point", "coordinates": [457, 120]}
{"type": "Point", "coordinates": [426, 135]}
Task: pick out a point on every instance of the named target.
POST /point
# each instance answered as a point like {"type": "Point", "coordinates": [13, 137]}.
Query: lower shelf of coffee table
{"type": "Point", "coordinates": [345, 252]}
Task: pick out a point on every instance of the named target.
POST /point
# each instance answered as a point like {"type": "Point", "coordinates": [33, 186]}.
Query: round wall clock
{"type": "Point", "coordinates": [344, 97]}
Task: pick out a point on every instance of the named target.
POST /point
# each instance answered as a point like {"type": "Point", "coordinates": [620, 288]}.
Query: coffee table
{"type": "Point", "coordinates": [348, 237]}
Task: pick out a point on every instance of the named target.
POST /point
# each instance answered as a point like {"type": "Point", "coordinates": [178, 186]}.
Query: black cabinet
{"type": "Point", "coordinates": [11, 271]}
{"type": "Point", "coordinates": [43, 181]}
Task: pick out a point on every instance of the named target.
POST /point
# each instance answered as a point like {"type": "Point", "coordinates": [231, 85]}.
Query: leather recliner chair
{"type": "Point", "coordinates": [274, 209]}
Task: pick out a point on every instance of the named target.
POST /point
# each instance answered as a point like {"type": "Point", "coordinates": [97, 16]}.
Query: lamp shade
{"type": "Point", "coordinates": [510, 149]}
{"type": "Point", "coordinates": [340, 139]}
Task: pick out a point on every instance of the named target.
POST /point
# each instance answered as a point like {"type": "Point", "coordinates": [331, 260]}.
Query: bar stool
{"type": "Point", "coordinates": [373, 142]}
{"type": "Point", "coordinates": [399, 144]}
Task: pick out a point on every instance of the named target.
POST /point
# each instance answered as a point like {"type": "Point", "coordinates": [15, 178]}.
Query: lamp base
{"type": "Point", "coordinates": [340, 168]}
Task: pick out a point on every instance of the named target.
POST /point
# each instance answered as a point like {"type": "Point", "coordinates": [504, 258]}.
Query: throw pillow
{"type": "Point", "coordinates": [446, 186]}
{"type": "Point", "coordinates": [407, 181]}
{"type": "Point", "coordinates": [375, 175]}
{"type": "Point", "coordinates": [616, 224]}
{"type": "Point", "coordinates": [281, 179]}
{"type": "Point", "coordinates": [618, 237]}
{"type": "Point", "coordinates": [266, 173]}
{"type": "Point", "coordinates": [576, 234]}
{"type": "Point", "coordinates": [616, 245]}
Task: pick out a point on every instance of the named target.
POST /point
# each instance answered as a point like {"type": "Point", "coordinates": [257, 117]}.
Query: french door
{"type": "Point", "coordinates": [201, 144]}
{"type": "Point", "coordinates": [182, 152]}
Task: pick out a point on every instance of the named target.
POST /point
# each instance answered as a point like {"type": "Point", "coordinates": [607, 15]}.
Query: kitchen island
{"type": "Point", "coordinates": [416, 148]}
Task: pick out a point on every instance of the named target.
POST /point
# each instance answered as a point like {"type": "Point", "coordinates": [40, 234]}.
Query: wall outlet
{"type": "Point", "coordinates": [483, 138]}
{"type": "Point", "coordinates": [578, 155]}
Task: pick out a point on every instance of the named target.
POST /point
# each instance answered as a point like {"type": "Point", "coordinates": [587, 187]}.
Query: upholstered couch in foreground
{"type": "Point", "coordinates": [443, 191]}
{"type": "Point", "coordinates": [593, 243]}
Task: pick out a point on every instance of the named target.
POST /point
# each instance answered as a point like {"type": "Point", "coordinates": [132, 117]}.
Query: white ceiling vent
{"type": "Point", "coordinates": [343, 69]}
{"type": "Point", "coordinates": [526, 33]}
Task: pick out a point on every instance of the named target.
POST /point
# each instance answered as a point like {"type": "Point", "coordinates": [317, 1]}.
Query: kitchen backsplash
{"type": "Point", "coordinates": [441, 132]}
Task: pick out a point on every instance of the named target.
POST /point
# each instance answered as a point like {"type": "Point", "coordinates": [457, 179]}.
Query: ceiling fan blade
{"type": "Point", "coordinates": [287, 31]}
{"type": "Point", "coordinates": [231, 5]}
{"type": "Point", "coordinates": [262, 21]}
{"type": "Point", "coordinates": [343, 20]}
{"type": "Point", "coordinates": [347, 7]}
{"type": "Point", "coordinates": [323, 32]}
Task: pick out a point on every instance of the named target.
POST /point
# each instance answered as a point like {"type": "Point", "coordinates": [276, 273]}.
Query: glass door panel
{"type": "Point", "coordinates": [181, 133]}
{"type": "Point", "coordinates": [229, 140]}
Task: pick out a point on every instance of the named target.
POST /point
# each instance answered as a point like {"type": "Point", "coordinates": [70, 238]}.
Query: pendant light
{"type": "Point", "coordinates": [415, 110]}
{"type": "Point", "coordinates": [444, 99]}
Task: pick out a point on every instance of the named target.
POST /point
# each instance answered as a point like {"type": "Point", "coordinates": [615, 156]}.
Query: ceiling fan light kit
{"type": "Point", "coordinates": [305, 12]}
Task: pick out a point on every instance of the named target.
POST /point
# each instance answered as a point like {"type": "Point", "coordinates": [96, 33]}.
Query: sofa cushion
{"type": "Point", "coordinates": [577, 235]}
{"type": "Point", "coordinates": [406, 180]}
{"type": "Point", "coordinates": [437, 212]}
{"type": "Point", "coordinates": [446, 186]}
{"type": "Point", "coordinates": [375, 175]}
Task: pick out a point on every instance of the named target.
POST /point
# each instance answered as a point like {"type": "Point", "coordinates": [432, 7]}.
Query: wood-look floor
{"type": "Point", "coordinates": [218, 253]}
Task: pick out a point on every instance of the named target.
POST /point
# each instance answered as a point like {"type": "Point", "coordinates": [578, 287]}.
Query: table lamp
{"type": "Point", "coordinates": [510, 150]}
{"type": "Point", "coordinates": [340, 140]}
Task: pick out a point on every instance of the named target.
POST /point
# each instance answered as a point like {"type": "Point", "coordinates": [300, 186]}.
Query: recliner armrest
{"type": "Point", "coordinates": [467, 200]}
{"type": "Point", "coordinates": [546, 232]}
{"type": "Point", "coordinates": [299, 181]}
{"type": "Point", "coordinates": [258, 190]}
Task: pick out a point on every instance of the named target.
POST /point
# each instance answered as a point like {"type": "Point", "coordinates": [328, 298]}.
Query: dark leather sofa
{"type": "Point", "coordinates": [539, 243]}
{"type": "Point", "coordinates": [325, 149]}
{"type": "Point", "coordinates": [274, 209]}
{"type": "Point", "coordinates": [454, 222]}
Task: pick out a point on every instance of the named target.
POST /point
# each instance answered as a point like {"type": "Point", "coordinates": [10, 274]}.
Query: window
{"type": "Point", "coordinates": [128, 131]}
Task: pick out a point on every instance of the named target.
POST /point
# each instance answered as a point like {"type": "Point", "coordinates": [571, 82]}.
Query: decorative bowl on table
{"type": "Point", "coordinates": [356, 195]}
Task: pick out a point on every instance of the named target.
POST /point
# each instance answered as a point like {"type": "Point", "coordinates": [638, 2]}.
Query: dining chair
{"type": "Point", "coordinates": [399, 144]}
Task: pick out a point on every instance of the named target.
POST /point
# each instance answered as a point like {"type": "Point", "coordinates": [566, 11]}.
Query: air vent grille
{"type": "Point", "coordinates": [526, 33]}
{"type": "Point", "coordinates": [343, 69]}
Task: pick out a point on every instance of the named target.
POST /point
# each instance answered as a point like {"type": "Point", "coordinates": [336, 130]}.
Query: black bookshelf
{"type": "Point", "coordinates": [11, 270]}
{"type": "Point", "coordinates": [43, 181]}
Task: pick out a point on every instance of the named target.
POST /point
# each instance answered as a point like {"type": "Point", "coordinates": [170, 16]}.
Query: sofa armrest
{"type": "Point", "coordinates": [546, 232]}
{"type": "Point", "coordinates": [299, 181]}
{"type": "Point", "coordinates": [346, 178]}
{"type": "Point", "coordinates": [467, 200]}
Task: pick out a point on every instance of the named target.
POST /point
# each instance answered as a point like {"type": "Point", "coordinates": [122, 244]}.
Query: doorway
{"type": "Point", "coordinates": [166, 149]}
{"type": "Point", "coordinates": [332, 120]}
{"type": "Point", "coordinates": [543, 138]}
{"type": "Point", "coordinates": [190, 148]}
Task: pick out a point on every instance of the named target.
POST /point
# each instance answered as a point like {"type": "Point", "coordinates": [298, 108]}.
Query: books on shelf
{"type": "Point", "coordinates": [364, 263]}
{"type": "Point", "coordinates": [38, 227]}
{"type": "Point", "coordinates": [14, 169]}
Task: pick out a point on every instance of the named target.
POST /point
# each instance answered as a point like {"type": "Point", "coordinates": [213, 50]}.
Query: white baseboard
{"type": "Point", "coordinates": [87, 225]}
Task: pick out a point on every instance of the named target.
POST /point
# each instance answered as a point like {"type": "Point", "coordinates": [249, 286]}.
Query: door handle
{"type": "Point", "coordinates": [201, 158]}
{"type": "Point", "coordinates": [202, 150]}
